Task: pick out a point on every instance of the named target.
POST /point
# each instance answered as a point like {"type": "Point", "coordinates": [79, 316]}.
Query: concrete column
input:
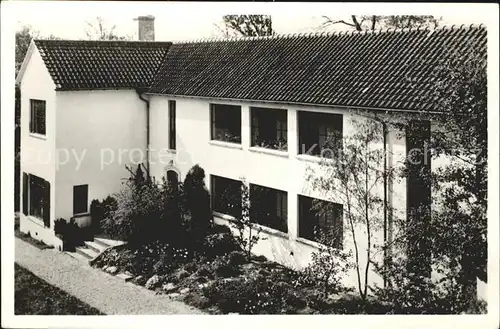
{"type": "Point", "coordinates": [245, 127]}
{"type": "Point", "coordinates": [293, 218]}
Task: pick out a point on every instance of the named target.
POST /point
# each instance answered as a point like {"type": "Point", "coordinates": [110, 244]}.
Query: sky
{"type": "Point", "coordinates": [175, 21]}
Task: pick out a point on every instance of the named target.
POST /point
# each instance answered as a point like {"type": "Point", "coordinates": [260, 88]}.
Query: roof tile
{"type": "Point", "coordinates": [84, 65]}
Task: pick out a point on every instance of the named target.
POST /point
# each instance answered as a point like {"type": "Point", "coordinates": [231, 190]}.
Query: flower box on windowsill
{"type": "Point", "coordinates": [265, 150]}
{"type": "Point", "coordinates": [38, 136]}
{"type": "Point", "coordinates": [226, 144]}
{"type": "Point", "coordinates": [265, 229]}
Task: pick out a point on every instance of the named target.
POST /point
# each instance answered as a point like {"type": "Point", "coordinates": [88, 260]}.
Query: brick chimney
{"type": "Point", "coordinates": [146, 28]}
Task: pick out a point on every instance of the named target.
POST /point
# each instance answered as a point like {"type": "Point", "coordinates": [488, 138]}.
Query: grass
{"type": "Point", "coordinates": [34, 296]}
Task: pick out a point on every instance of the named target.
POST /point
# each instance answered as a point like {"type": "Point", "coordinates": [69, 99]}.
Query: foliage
{"type": "Point", "coordinates": [101, 210]}
{"type": "Point", "coordinates": [410, 293]}
{"type": "Point", "coordinates": [71, 234]}
{"type": "Point", "coordinates": [146, 211]}
{"type": "Point", "coordinates": [248, 235]}
{"type": "Point", "coordinates": [328, 265]}
{"type": "Point", "coordinates": [97, 30]}
{"type": "Point", "coordinates": [219, 244]}
{"type": "Point", "coordinates": [352, 177]}
{"type": "Point", "coordinates": [197, 203]}
{"type": "Point", "coordinates": [249, 296]}
{"type": "Point", "coordinates": [373, 22]}
{"type": "Point", "coordinates": [247, 25]}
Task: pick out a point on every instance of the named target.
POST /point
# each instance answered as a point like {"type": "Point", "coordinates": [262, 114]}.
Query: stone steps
{"type": "Point", "coordinates": [92, 249]}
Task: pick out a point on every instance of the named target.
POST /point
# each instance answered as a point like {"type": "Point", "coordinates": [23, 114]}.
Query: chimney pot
{"type": "Point", "coordinates": [146, 25]}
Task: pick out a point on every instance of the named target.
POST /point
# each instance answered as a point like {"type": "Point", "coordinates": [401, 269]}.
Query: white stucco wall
{"type": "Point", "coordinates": [286, 171]}
{"type": "Point", "coordinates": [37, 152]}
{"type": "Point", "coordinates": [99, 132]}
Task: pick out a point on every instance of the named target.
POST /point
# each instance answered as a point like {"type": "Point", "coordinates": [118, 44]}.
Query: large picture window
{"type": "Point", "coordinates": [225, 123]}
{"type": "Point", "coordinates": [226, 195]}
{"type": "Point", "coordinates": [320, 218]}
{"type": "Point", "coordinates": [36, 198]}
{"type": "Point", "coordinates": [37, 117]}
{"type": "Point", "coordinates": [269, 207]}
{"type": "Point", "coordinates": [319, 132]}
{"type": "Point", "coordinates": [269, 128]}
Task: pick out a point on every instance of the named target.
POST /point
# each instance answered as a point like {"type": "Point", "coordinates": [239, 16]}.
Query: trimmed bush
{"type": "Point", "coordinates": [71, 234]}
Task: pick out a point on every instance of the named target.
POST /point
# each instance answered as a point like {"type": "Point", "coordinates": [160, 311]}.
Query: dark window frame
{"type": "Point", "coordinates": [38, 117]}
{"type": "Point", "coordinates": [310, 219]}
{"type": "Point", "coordinates": [220, 190]}
{"type": "Point", "coordinates": [31, 185]}
{"type": "Point", "coordinates": [313, 127]}
{"type": "Point", "coordinates": [262, 121]}
{"type": "Point", "coordinates": [79, 192]}
{"type": "Point", "coordinates": [269, 207]}
{"type": "Point", "coordinates": [172, 106]}
{"type": "Point", "coordinates": [225, 119]}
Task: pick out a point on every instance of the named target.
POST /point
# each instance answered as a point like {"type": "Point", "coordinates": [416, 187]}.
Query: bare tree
{"type": "Point", "coordinates": [97, 30]}
{"type": "Point", "coordinates": [246, 25]}
{"type": "Point", "coordinates": [374, 22]}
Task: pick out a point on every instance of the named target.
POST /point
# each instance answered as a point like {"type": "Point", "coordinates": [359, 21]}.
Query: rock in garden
{"type": "Point", "coordinates": [181, 274]}
{"type": "Point", "coordinates": [203, 285]}
{"type": "Point", "coordinates": [174, 294]}
{"type": "Point", "coordinates": [112, 269]}
{"type": "Point", "coordinates": [152, 282]}
{"type": "Point", "coordinates": [184, 291]}
{"type": "Point", "coordinates": [169, 287]}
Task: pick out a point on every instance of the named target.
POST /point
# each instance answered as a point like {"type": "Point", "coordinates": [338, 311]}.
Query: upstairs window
{"type": "Point", "coordinates": [318, 217]}
{"type": "Point", "coordinates": [320, 133]}
{"type": "Point", "coordinates": [225, 123]}
{"type": "Point", "coordinates": [80, 199]}
{"type": "Point", "coordinates": [226, 195]}
{"type": "Point", "coordinates": [37, 117]}
{"type": "Point", "coordinates": [171, 125]}
{"type": "Point", "coordinates": [269, 128]}
{"type": "Point", "coordinates": [269, 207]}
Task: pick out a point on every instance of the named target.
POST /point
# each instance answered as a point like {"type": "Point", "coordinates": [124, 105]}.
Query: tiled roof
{"type": "Point", "coordinates": [84, 65]}
{"type": "Point", "coordinates": [381, 70]}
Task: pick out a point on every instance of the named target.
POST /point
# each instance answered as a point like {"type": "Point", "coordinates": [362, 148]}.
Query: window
{"type": "Point", "coordinates": [171, 125]}
{"type": "Point", "coordinates": [225, 123]}
{"type": "Point", "coordinates": [226, 195]}
{"type": "Point", "coordinates": [318, 216]}
{"type": "Point", "coordinates": [80, 199]}
{"type": "Point", "coordinates": [36, 198]}
{"type": "Point", "coordinates": [318, 132]}
{"type": "Point", "coordinates": [37, 116]}
{"type": "Point", "coordinates": [268, 207]}
{"type": "Point", "coordinates": [269, 128]}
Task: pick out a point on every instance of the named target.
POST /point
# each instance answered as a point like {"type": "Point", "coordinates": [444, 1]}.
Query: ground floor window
{"type": "Point", "coordinates": [36, 198]}
{"type": "Point", "coordinates": [268, 207]}
{"type": "Point", "coordinates": [80, 199]}
{"type": "Point", "coordinates": [317, 217]}
{"type": "Point", "coordinates": [226, 195]}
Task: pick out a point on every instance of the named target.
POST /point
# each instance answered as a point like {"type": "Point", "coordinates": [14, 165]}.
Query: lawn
{"type": "Point", "coordinates": [34, 296]}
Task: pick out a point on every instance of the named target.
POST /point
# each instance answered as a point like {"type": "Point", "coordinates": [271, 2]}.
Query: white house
{"type": "Point", "coordinates": [248, 107]}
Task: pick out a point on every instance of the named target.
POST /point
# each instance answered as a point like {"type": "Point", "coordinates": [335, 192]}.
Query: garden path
{"type": "Point", "coordinates": [103, 291]}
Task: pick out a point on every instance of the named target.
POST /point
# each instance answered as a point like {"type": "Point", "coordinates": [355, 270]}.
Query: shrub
{"type": "Point", "coordinates": [251, 296]}
{"type": "Point", "coordinates": [99, 211]}
{"type": "Point", "coordinates": [219, 244]}
{"type": "Point", "coordinates": [197, 203]}
{"type": "Point", "coordinates": [70, 233]}
{"type": "Point", "coordinates": [146, 212]}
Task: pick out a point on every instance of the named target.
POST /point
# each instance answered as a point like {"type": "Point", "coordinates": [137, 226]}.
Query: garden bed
{"type": "Point", "coordinates": [223, 280]}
